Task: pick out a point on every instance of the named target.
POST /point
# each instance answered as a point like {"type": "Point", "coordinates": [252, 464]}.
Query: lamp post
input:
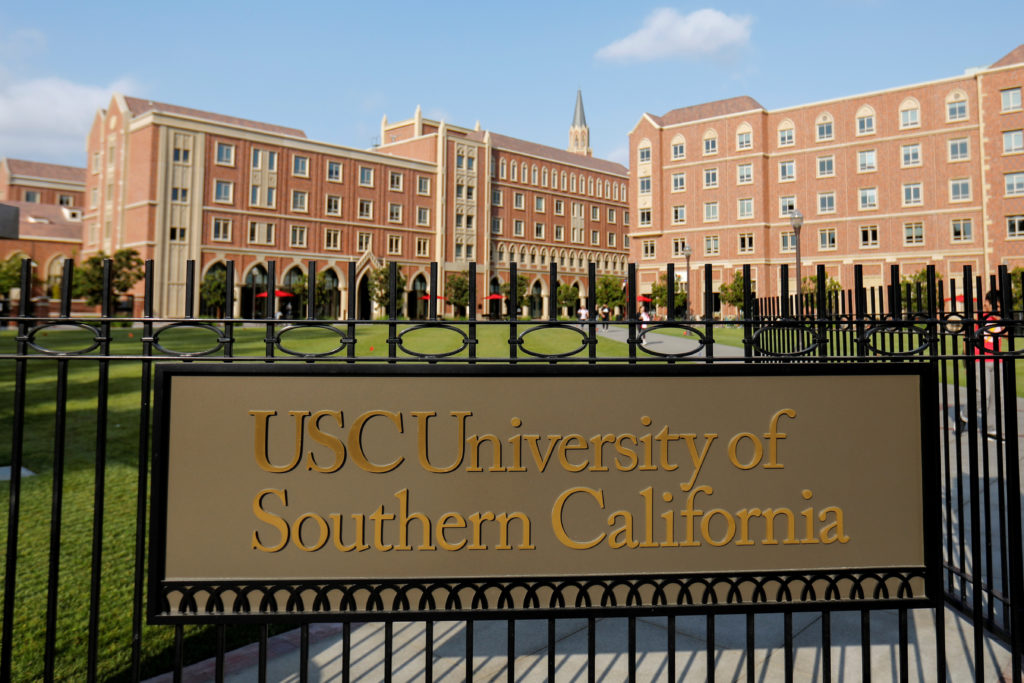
{"type": "Point", "coordinates": [796, 220]}
{"type": "Point", "coordinates": [687, 252]}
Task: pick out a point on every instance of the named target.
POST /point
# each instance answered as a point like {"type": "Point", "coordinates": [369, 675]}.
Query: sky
{"type": "Point", "coordinates": [334, 69]}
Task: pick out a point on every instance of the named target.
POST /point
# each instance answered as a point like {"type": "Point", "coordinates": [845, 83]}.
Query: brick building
{"type": "Point", "coordinates": [917, 175]}
{"type": "Point", "coordinates": [177, 184]}
{"type": "Point", "coordinates": [34, 182]}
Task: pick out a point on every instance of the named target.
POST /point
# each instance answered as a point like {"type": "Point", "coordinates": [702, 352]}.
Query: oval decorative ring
{"type": "Point", "coordinates": [444, 352]}
{"type": "Point", "coordinates": [700, 341]}
{"type": "Point", "coordinates": [66, 342]}
{"type": "Point", "coordinates": [317, 340]}
{"type": "Point", "coordinates": [899, 331]}
{"type": "Point", "coordinates": [804, 340]}
{"type": "Point", "coordinates": [188, 346]}
{"type": "Point", "coordinates": [521, 340]}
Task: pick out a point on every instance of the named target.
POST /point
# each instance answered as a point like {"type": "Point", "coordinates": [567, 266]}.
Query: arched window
{"type": "Point", "coordinates": [787, 133]}
{"type": "Point", "coordinates": [910, 113]}
{"type": "Point", "coordinates": [865, 120]}
{"type": "Point", "coordinates": [711, 141]}
{"type": "Point", "coordinates": [956, 106]}
{"type": "Point", "coordinates": [679, 147]}
{"type": "Point", "coordinates": [744, 136]}
{"type": "Point", "coordinates": [823, 127]}
{"type": "Point", "coordinates": [643, 152]}
{"type": "Point", "coordinates": [515, 173]}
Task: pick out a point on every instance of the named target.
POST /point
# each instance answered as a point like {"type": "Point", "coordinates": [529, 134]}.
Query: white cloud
{"type": "Point", "coordinates": [667, 33]}
{"type": "Point", "coordinates": [47, 119]}
{"type": "Point", "coordinates": [619, 155]}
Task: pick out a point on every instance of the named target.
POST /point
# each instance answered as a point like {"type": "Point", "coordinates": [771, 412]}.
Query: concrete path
{"type": "Point", "coordinates": [659, 343]}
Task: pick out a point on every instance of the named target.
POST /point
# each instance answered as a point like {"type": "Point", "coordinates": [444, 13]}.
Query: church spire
{"type": "Point", "coordinates": [579, 131]}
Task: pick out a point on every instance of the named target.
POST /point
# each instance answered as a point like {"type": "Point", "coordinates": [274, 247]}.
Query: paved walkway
{"type": "Point", "coordinates": [670, 343]}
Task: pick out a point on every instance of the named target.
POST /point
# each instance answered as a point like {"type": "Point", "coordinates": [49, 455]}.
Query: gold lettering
{"type": "Point", "coordinates": [629, 454]}
{"type": "Point", "coordinates": [378, 517]}
{"type": "Point", "coordinates": [271, 519]}
{"type": "Point", "coordinates": [663, 438]}
{"type": "Point", "coordinates": [774, 435]}
{"type": "Point", "coordinates": [324, 439]}
{"type": "Point", "coordinates": [542, 462]}
{"type": "Point", "coordinates": [355, 441]}
{"type": "Point", "coordinates": [558, 526]}
{"type": "Point", "coordinates": [745, 516]}
{"type": "Point", "coordinates": [403, 524]}
{"type": "Point", "coordinates": [705, 527]}
{"type": "Point", "coordinates": [422, 444]}
{"type": "Point", "coordinates": [573, 442]}
{"type": "Point", "coordinates": [504, 520]}
{"type": "Point", "coordinates": [297, 532]}
{"type": "Point", "coordinates": [648, 495]}
{"type": "Point", "coordinates": [622, 536]}
{"type": "Point", "coordinates": [474, 444]}
{"type": "Point", "coordinates": [836, 526]}
{"type": "Point", "coordinates": [758, 449]}
{"type": "Point", "coordinates": [360, 544]}
{"type": "Point", "coordinates": [698, 460]}
{"type": "Point", "coordinates": [458, 522]}
{"type": "Point", "coordinates": [598, 442]}
{"type": "Point", "coordinates": [769, 532]}
{"type": "Point", "coordinates": [261, 432]}
{"type": "Point", "coordinates": [478, 519]}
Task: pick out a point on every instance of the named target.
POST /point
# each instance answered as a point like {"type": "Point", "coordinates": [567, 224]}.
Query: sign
{"type": "Point", "coordinates": [332, 491]}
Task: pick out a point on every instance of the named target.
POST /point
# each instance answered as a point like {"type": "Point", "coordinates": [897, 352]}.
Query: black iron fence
{"type": "Point", "coordinates": [77, 395]}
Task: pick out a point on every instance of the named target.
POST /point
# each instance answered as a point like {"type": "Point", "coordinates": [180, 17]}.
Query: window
{"type": "Point", "coordinates": [595, 213]}
{"type": "Point", "coordinates": [225, 154]}
{"type": "Point", "coordinates": [826, 239]}
{"type": "Point", "coordinates": [911, 155]}
{"type": "Point", "coordinates": [363, 241]}
{"type": "Point", "coordinates": [223, 191]}
{"type": "Point", "coordinates": [460, 161]}
{"type": "Point", "coordinates": [910, 118]}
{"type": "Point", "coordinates": [178, 194]}
{"type": "Point", "coordinates": [787, 241]}
{"type": "Point", "coordinates": [559, 207]}
{"type": "Point", "coordinates": [679, 150]}
{"type": "Point", "coordinates": [32, 196]}
{"type": "Point", "coordinates": [333, 207]}
{"type": "Point", "coordinates": [648, 249]}
{"type": "Point", "coordinates": [787, 170]}
{"type": "Point", "coordinates": [495, 225]}
{"type": "Point", "coordinates": [869, 198]}
{"type": "Point", "coordinates": [254, 194]}
{"type": "Point", "coordinates": [678, 182]}
{"type": "Point", "coordinates": [394, 244]}
{"type": "Point", "coordinates": [786, 137]}
{"type": "Point", "coordinates": [826, 202]}
{"type": "Point", "coordinates": [560, 233]}
{"type": "Point", "coordinates": [1011, 99]}
{"type": "Point", "coordinates": [176, 234]}
{"type": "Point", "coordinates": [958, 150]}
{"type": "Point", "coordinates": [678, 246]}
{"type": "Point", "coordinates": [866, 124]}
{"type": "Point", "coordinates": [868, 236]}
{"type": "Point", "coordinates": [299, 200]}
{"type": "Point", "coordinates": [332, 239]}
{"type": "Point", "coordinates": [334, 171]}
{"type": "Point", "coordinates": [95, 162]}
{"type": "Point", "coordinates": [911, 194]}
{"type": "Point", "coordinates": [1013, 141]}
{"type": "Point", "coordinates": [519, 200]}
{"type": "Point", "coordinates": [710, 211]}
{"type": "Point", "coordinates": [365, 176]}
{"type": "Point", "coordinates": [181, 155]}
{"type": "Point", "coordinates": [866, 161]}
{"type": "Point", "coordinates": [710, 245]}
{"type": "Point", "coordinates": [423, 185]}
{"type": "Point", "coordinates": [261, 233]}
{"type": "Point", "coordinates": [710, 177]}
{"type": "Point", "coordinates": [365, 209]}
{"type": "Point", "coordinates": [1014, 183]}
{"type": "Point", "coordinates": [679, 214]}
{"type": "Point", "coordinates": [826, 166]}
{"type": "Point", "coordinates": [745, 208]}
{"type": "Point", "coordinates": [65, 200]}
{"type": "Point", "coordinates": [300, 166]}
{"type": "Point", "coordinates": [538, 204]}
{"type": "Point", "coordinates": [744, 174]}
{"type": "Point", "coordinates": [956, 109]}
{"type": "Point", "coordinates": [913, 233]}
{"type": "Point", "coordinates": [538, 231]}
{"type": "Point", "coordinates": [645, 217]}
{"type": "Point", "coordinates": [298, 236]}
{"type": "Point", "coordinates": [422, 247]}
{"type": "Point", "coordinates": [746, 242]}
{"type": "Point", "coordinates": [1015, 227]}
{"type": "Point", "coordinates": [517, 228]}
{"type": "Point", "coordinates": [611, 215]}
{"type": "Point", "coordinates": [963, 230]}
{"type": "Point", "coordinates": [645, 184]}
{"type": "Point", "coordinates": [960, 189]}
{"type": "Point", "coordinates": [271, 196]}
{"type": "Point", "coordinates": [824, 131]}
{"type": "Point", "coordinates": [644, 154]}
{"type": "Point", "coordinates": [395, 181]}
{"type": "Point", "coordinates": [496, 197]}
{"type": "Point", "coordinates": [711, 145]}
{"type": "Point", "coordinates": [787, 205]}
{"type": "Point", "coordinates": [533, 175]}
{"type": "Point", "coordinates": [744, 140]}
{"type": "Point", "coordinates": [394, 213]}
{"type": "Point", "coordinates": [611, 239]}
{"type": "Point", "coordinates": [470, 161]}
{"type": "Point", "coordinates": [595, 237]}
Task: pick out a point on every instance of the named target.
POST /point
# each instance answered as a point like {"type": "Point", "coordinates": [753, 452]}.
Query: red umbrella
{"type": "Point", "coordinates": [277, 292]}
{"type": "Point", "coordinates": [493, 297]}
{"type": "Point", "coordinates": [425, 297]}
{"type": "Point", "coordinates": [643, 298]}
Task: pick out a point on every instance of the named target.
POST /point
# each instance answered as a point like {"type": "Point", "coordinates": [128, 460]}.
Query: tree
{"type": "Point", "coordinates": [732, 292]}
{"type": "Point", "coordinates": [568, 297]}
{"type": "Point", "coordinates": [125, 271]}
{"type": "Point", "coordinates": [456, 290]}
{"type": "Point", "coordinates": [912, 280]}
{"type": "Point", "coordinates": [380, 285]}
{"type": "Point", "coordinates": [810, 285]}
{"type": "Point", "coordinates": [324, 294]}
{"type": "Point", "coordinates": [521, 284]}
{"type": "Point", "coordinates": [659, 294]}
{"type": "Point", "coordinates": [1016, 280]}
{"type": "Point", "coordinates": [609, 292]}
{"type": "Point", "coordinates": [10, 274]}
{"type": "Point", "coordinates": [213, 290]}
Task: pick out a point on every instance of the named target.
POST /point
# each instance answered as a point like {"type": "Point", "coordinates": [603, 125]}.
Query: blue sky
{"type": "Point", "coordinates": [333, 69]}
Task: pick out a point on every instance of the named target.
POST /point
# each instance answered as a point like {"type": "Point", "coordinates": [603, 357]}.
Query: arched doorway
{"type": "Point", "coordinates": [214, 282]}
{"type": "Point", "coordinates": [255, 283]}
{"type": "Point", "coordinates": [292, 306]}
{"type": "Point", "coordinates": [576, 299]}
{"type": "Point", "coordinates": [364, 307]}
{"type": "Point", "coordinates": [417, 305]}
{"type": "Point", "coordinates": [494, 304]}
{"type": "Point", "coordinates": [536, 300]}
{"type": "Point", "coordinates": [329, 305]}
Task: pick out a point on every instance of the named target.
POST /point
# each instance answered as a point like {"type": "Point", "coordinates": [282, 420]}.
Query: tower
{"type": "Point", "coordinates": [579, 131]}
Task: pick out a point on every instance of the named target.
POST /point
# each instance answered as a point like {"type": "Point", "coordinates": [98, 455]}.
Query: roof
{"type": "Point", "coordinates": [37, 169]}
{"type": "Point", "coordinates": [579, 119]}
{"type": "Point", "coordinates": [49, 221]}
{"type": "Point", "coordinates": [1015, 56]}
{"type": "Point", "coordinates": [552, 153]}
{"type": "Point", "coordinates": [138, 107]}
{"type": "Point", "coordinates": [733, 105]}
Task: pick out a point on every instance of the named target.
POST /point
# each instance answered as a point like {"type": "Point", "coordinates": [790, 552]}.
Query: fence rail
{"type": "Point", "coordinates": [77, 393]}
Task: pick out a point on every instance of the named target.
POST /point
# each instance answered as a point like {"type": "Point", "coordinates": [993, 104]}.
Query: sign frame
{"type": "Point", "coordinates": [617, 594]}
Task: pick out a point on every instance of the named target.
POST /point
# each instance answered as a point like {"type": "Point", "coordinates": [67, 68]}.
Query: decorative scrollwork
{"type": "Point", "coordinates": [221, 340]}
{"type": "Point", "coordinates": [95, 339]}
{"type": "Point", "coordinates": [464, 340]}
{"type": "Point", "coordinates": [700, 341]}
{"type": "Point", "coordinates": [584, 341]}
{"type": "Point", "coordinates": [799, 339]}
{"type": "Point", "coordinates": [331, 332]}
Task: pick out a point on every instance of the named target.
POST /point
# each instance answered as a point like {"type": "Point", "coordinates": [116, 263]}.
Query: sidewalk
{"type": "Point", "coordinates": [669, 343]}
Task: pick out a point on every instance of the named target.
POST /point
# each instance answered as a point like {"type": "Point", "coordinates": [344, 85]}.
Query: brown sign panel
{"type": "Point", "coordinates": [332, 492]}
